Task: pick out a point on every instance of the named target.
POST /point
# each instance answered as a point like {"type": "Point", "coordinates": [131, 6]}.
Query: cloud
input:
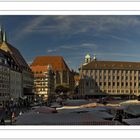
{"type": "Point", "coordinates": [72, 25]}
{"type": "Point", "coordinates": [79, 46]}
{"type": "Point", "coordinates": [119, 38]}
{"type": "Point", "coordinates": [52, 50]}
{"type": "Point", "coordinates": [30, 26]}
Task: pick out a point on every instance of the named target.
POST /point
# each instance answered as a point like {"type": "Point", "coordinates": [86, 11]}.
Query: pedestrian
{"type": "Point", "coordinates": [6, 111]}
{"type": "Point", "coordinates": [13, 116]}
{"type": "Point", "coordinates": [2, 121]}
{"type": "Point", "coordinates": [120, 118]}
{"type": "Point", "coordinates": [20, 113]}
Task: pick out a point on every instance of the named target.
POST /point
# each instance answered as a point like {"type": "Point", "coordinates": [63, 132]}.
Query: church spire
{"type": "Point", "coordinates": [0, 28]}
{"type": "Point", "coordinates": [94, 57]}
{"type": "Point", "coordinates": [87, 58]}
{"type": "Point", "coordinates": [4, 37]}
{"type": "Point", "coordinates": [1, 34]}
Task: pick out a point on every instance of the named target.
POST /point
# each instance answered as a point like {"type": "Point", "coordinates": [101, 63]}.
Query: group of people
{"type": "Point", "coordinates": [2, 122]}
{"type": "Point", "coordinates": [10, 112]}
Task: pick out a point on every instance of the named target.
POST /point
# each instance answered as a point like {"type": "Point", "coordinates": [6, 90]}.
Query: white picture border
{"type": "Point", "coordinates": [69, 8]}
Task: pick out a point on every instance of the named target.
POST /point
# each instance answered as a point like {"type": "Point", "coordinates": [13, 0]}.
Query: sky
{"type": "Point", "coordinates": [113, 38]}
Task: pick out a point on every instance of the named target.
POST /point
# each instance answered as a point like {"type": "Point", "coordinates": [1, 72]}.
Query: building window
{"type": "Point", "coordinates": [139, 77]}
{"type": "Point", "coordinates": [109, 72]}
{"type": "Point", "coordinates": [113, 71]}
{"type": "Point", "coordinates": [113, 77]}
{"type": "Point", "coordinates": [96, 84]}
{"type": "Point", "coordinates": [126, 83]}
{"type": "Point", "coordinates": [118, 91]}
{"type": "Point", "coordinates": [122, 84]}
{"type": "Point", "coordinates": [118, 83]}
{"type": "Point", "coordinates": [109, 91]}
{"type": "Point", "coordinates": [113, 83]}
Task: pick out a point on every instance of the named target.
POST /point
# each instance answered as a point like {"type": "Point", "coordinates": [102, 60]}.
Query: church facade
{"type": "Point", "coordinates": [62, 74]}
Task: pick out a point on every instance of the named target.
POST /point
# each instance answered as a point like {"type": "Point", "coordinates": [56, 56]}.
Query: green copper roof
{"type": "Point", "coordinates": [87, 56]}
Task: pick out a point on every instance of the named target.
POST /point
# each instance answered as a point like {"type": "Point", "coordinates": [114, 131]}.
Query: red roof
{"type": "Point", "coordinates": [57, 62]}
{"type": "Point", "coordinates": [16, 55]}
{"type": "Point", "coordinates": [112, 65]}
{"type": "Point", "coordinates": [39, 68]}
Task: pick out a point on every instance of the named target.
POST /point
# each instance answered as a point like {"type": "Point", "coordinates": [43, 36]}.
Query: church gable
{"type": "Point", "coordinates": [5, 48]}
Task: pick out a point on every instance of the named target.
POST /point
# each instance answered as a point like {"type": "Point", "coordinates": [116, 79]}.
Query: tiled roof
{"type": "Point", "coordinates": [15, 54]}
{"type": "Point", "coordinates": [7, 55]}
{"type": "Point", "coordinates": [57, 62]}
{"type": "Point", "coordinates": [39, 68]}
{"type": "Point", "coordinates": [112, 65]}
{"type": "Point", "coordinates": [39, 75]}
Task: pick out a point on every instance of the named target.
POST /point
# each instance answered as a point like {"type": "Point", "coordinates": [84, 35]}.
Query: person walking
{"type": "Point", "coordinates": [2, 121]}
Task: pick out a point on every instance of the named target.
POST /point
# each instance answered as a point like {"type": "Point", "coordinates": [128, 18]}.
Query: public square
{"type": "Point", "coordinates": [83, 112]}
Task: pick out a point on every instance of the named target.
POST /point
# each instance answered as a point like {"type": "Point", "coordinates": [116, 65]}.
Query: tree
{"type": "Point", "coordinates": [62, 91]}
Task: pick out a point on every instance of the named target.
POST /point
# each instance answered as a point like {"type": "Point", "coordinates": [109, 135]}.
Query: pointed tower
{"type": "Point", "coordinates": [87, 58]}
{"type": "Point", "coordinates": [1, 35]}
{"type": "Point", "coordinates": [4, 37]}
{"type": "Point", "coordinates": [94, 58]}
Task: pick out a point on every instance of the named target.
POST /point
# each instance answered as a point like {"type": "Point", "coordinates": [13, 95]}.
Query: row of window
{"type": "Point", "coordinates": [111, 71]}
{"type": "Point", "coordinates": [38, 72]}
{"type": "Point", "coordinates": [121, 91]}
{"type": "Point", "coordinates": [118, 84]}
{"type": "Point", "coordinates": [41, 84]}
{"type": "Point", "coordinates": [41, 89]}
{"type": "Point", "coordinates": [3, 93]}
{"type": "Point", "coordinates": [122, 84]}
{"type": "Point", "coordinates": [117, 91]}
{"type": "Point", "coordinates": [40, 79]}
{"type": "Point", "coordinates": [117, 77]}
{"type": "Point", "coordinates": [4, 86]}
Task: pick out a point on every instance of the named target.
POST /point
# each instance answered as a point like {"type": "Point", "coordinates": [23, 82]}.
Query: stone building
{"type": "Point", "coordinates": [21, 84]}
{"type": "Point", "coordinates": [62, 73]}
{"type": "Point", "coordinates": [43, 81]}
{"type": "Point", "coordinates": [118, 78]}
{"type": "Point", "coordinates": [4, 78]}
{"type": "Point", "coordinates": [10, 78]}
